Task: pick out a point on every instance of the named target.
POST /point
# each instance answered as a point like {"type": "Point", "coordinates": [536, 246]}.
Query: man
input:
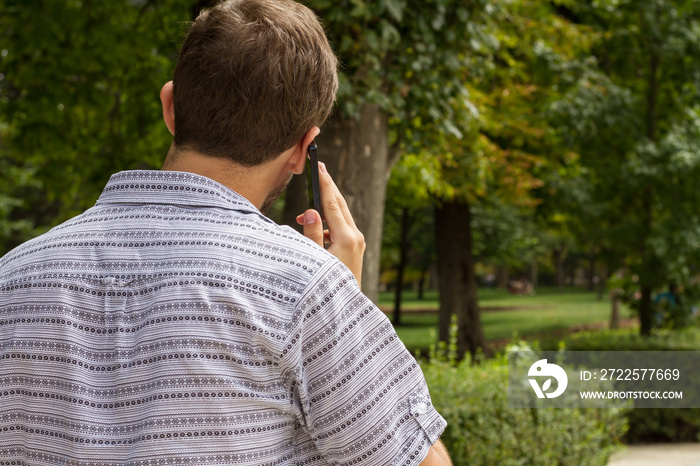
{"type": "Point", "coordinates": [173, 323]}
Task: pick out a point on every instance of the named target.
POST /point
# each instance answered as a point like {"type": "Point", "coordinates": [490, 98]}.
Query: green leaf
{"type": "Point", "coordinates": [395, 8]}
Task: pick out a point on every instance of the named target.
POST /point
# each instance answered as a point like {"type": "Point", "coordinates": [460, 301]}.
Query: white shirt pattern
{"type": "Point", "coordinates": [172, 323]}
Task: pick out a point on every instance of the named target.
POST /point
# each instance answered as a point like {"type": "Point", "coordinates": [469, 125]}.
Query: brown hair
{"type": "Point", "coordinates": [252, 77]}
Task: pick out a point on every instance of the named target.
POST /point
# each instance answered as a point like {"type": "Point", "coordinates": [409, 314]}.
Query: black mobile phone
{"type": "Point", "coordinates": [312, 183]}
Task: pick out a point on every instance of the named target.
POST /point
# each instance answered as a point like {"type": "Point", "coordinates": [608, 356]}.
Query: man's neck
{"type": "Point", "coordinates": [253, 183]}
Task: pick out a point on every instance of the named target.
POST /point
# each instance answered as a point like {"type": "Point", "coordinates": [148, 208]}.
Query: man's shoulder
{"type": "Point", "coordinates": [247, 240]}
{"type": "Point", "coordinates": [38, 244]}
{"type": "Point", "coordinates": [285, 243]}
{"type": "Point", "coordinates": [284, 234]}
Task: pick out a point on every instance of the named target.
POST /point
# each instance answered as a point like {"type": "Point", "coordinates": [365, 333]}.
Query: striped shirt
{"type": "Point", "coordinates": [172, 323]}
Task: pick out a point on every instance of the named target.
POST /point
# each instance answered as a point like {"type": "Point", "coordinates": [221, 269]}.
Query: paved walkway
{"type": "Point", "coordinates": [669, 454]}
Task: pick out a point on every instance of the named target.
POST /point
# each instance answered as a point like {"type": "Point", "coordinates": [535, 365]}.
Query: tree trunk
{"type": "Point", "coordinates": [646, 277]}
{"type": "Point", "coordinates": [357, 155]}
{"type": "Point", "coordinates": [502, 277]}
{"type": "Point", "coordinates": [458, 290]}
{"type": "Point", "coordinates": [534, 273]}
{"type": "Point", "coordinates": [560, 256]}
{"type": "Point", "coordinates": [421, 283]}
{"type": "Point", "coordinates": [615, 309]}
{"type": "Point", "coordinates": [448, 268]}
{"type": "Point", "coordinates": [603, 282]}
{"type": "Point", "coordinates": [645, 311]}
{"type": "Point", "coordinates": [653, 95]}
{"type": "Point", "coordinates": [403, 256]}
{"type": "Point", "coordinates": [356, 152]}
{"type": "Point", "coordinates": [434, 276]}
{"type": "Point", "coordinates": [590, 274]}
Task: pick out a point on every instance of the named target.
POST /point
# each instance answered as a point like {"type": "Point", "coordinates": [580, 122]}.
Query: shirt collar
{"type": "Point", "coordinates": [175, 188]}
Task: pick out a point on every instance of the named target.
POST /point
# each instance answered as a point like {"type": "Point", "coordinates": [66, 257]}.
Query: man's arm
{"type": "Point", "coordinates": [347, 244]}
{"type": "Point", "coordinates": [437, 456]}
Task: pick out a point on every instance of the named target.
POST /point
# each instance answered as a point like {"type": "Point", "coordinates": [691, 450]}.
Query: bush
{"type": "Point", "coordinates": [653, 424]}
{"type": "Point", "coordinates": [675, 309]}
{"type": "Point", "coordinates": [629, 340]}
{"type": "Point", "coordinates": [663, 425]}
{"type": "Point", "coordinates": [483, 430]}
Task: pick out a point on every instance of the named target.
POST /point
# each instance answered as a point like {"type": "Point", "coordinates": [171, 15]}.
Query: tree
{"type": "Point", "coordinates": [489, 152]}
{"type": "Point", "coordinates": [505, 234]}
{"type": "Point", "coordinates": [634, 120]}
{"type": "Point", "coordinates": [408, 237]}
{"type": "Point", "coordinates": [401, 60]}
{"type": "Point", "coordinates": [506, 152]}
{"type": "Point", "coordinates": [79, 100]}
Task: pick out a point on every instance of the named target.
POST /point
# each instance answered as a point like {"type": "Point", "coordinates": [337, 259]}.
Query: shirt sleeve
{"type": "Point", "coordinates": [362, 395]}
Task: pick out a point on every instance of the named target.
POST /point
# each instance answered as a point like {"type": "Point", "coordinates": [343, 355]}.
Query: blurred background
{"type": "Point", "coordinates": [525, 173]}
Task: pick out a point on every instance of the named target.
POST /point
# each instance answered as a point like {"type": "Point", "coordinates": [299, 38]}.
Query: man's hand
{"type": "Point", "coordinates": [346, 242]}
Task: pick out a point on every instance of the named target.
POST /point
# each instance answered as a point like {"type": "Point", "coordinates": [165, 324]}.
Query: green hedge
{"type": "Point", "coordinates": [630, 340]}
{"type": "Point", "coordinates": [648, 425]}
{"type": "Point", "coordinates": [483, 430]}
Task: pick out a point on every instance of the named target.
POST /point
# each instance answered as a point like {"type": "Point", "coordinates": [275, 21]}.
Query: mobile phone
{"type": "Point", "coordinates": [312, 182]}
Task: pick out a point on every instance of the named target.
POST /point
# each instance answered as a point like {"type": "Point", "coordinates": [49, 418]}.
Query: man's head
{"type": "Point", "coordinates": [252, 77]}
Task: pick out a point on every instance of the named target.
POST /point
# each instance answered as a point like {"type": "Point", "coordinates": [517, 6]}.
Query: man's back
{"type": "Point", "coordinates": [174, 322]}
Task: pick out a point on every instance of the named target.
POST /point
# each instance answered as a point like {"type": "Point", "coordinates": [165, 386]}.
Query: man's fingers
{"type": "Point", "coordinates": [345, 240]}
{"type": "Point", "coordinates": [333, 201]}
{"type": "Point", "coordinates": [313, 227]}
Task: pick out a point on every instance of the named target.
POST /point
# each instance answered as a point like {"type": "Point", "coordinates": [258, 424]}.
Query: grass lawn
{"type": "Point", "coordinates": [548, 314]}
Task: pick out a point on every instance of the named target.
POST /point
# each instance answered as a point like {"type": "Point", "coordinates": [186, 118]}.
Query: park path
{"type": "Point", "coordinates": [668, 454]}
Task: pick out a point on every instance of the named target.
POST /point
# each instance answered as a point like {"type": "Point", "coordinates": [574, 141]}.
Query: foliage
{"type": "Point", "coordinates": [405, 55]}
{"type": "Point", "coordinates": [628, 340]}
{"type": "Point", "coordinates": [79, 100]}
{"type": "Point", "coordinates": [14, 184]}
{"type": "Point", "coordinates": [506, 146]}
{"type": "Point", "coordinates": [528, 56]}
{"type": "Point", "coordinates": [649, 425]}
{"type": "Point", "coordinates": [505, 234]}
{"type": "Point", "coordinates": [548, 315]}
{"type": "Point", "coordinates": [494, 152]}
{"type": "Point", "coordinates": [633, 119]}
{"type": "Point", "coordinates": [664, 425]}
{"type": "Point", "coordinates": [457, 81]}
{"type": "Point", "coordinates": [400, 197]}
{"type": "Point", "coordinates": [671, 310]}
{"type": "Point", "coordinates": [483, 430]}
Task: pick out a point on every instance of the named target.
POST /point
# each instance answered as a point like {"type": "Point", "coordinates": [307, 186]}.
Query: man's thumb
{"type": "Point", "coordinates": [313, 226]}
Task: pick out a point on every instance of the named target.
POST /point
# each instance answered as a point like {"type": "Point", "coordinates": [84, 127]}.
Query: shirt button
{"type": "Point", "coordinates": [420, 408]}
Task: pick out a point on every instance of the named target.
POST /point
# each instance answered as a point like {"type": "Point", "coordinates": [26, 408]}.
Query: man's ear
{"type": "Point", "coordinates": [298, 159]}
{"type": "Point", "coordinates": [166, 98]}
